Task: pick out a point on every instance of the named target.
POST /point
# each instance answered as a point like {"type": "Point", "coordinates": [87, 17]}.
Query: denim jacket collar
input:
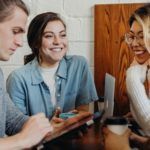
{"type": "Point", "coordinates": [62, 69]}
{"type": "Point", "coordinates": [36, 76]}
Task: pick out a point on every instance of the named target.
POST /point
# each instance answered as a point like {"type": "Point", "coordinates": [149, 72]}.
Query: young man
{"type": "Point", "coordinates": [13, 18]}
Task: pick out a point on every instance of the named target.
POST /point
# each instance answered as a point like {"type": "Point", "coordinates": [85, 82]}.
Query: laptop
{"type": "Point", "coordinates": [109, 95]}
{"type": "Point", "coordinates": [107, 108]}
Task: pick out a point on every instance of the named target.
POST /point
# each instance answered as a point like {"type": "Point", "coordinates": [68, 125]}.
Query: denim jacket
{"type": "Point", "coordinates": [74, 87]}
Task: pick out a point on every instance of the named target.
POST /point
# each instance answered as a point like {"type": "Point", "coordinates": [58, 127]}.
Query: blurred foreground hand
{"type": "Point", "coordinates": [113, 141]}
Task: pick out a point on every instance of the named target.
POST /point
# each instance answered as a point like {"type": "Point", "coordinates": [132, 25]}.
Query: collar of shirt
{"type": "Point", "coordinates": [36, 75]}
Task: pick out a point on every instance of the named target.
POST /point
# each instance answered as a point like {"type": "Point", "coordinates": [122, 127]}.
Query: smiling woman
{"type": "Point", "coordinates": [135, 78]}
{"type": "Point", "coordinates": [51, 79]}
{"type": "Point", "coordinates": [135, 38]}
{"type": "Point", "coordinates": [54, 44]}
{"type": "Point", "coordinates": [138, 73]}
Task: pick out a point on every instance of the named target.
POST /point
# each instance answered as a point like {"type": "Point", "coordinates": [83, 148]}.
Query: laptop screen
{"type": "Point", "coordinates": [109, 95]}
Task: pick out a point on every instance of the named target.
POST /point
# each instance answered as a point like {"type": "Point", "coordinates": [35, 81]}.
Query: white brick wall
{"type": "Point", "coordinates": [78, 15]}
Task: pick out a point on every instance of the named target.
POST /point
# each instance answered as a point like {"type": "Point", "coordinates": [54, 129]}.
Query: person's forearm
{"type": "Point", "coordinates": [12, 143]}
{"type": "Point", "coordinates": [139, 99]}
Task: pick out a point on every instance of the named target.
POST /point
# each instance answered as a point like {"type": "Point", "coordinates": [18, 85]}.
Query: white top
{"type": "Point", "coordinates": [139, 101]}
{"type": "Point", "coordinates": [48, 75]}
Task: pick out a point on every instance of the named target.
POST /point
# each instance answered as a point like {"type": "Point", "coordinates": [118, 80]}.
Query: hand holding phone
{"type": "Point", "coordinates": [67, 115]}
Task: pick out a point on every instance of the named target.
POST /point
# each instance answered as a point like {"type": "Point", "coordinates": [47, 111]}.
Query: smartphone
{"type": "Point", "coordinates": [67, 115]}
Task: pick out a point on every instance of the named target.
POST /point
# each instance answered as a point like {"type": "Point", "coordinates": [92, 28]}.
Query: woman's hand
{"type": "Point", "coordinates": [128, 115]}
{"type": "Point", "coordinates": [138, 138]}
{"type": "Point", "coordinates": [55, 119]}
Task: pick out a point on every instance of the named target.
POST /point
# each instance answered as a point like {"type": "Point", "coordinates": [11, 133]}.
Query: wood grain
{"type": "Point", "coordinates": [111, 52]}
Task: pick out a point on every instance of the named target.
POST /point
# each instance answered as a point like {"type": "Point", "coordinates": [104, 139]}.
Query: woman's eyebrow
{"type": "Point", "coordinates": [141, 31]}
{"type": "Point", "coordinates": [53, 32]}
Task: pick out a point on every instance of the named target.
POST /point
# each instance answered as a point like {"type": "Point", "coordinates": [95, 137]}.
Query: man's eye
{"type": "Point", "coordinates": [16, 31]}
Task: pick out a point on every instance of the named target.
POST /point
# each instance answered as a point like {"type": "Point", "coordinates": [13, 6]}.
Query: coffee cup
{"type": "Point", "coordinates": [117, 125]}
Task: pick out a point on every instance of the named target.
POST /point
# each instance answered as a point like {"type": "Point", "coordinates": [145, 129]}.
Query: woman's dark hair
{"type": "Point", "coordinates": [35, 32]}
{"type": "Point", "coordinates": [7, 7]}
{"type": "Point", "coordinates": [142, 12]}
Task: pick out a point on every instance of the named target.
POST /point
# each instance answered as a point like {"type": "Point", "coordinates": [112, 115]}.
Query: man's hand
{"type": "Point", "coordinates": [34, 130]}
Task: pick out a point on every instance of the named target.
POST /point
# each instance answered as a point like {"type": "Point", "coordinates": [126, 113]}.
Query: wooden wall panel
{"type": "Point", "coordinates": [111, 52]}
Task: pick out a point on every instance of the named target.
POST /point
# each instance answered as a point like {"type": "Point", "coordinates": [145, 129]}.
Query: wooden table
{"type": "Point", "coordinates": [83, 138]}
{"type": "Point", "coordinates": [90, 139]}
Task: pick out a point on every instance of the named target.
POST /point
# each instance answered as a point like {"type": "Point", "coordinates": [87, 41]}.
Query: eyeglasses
{"type": "Point", "coordinates": [129, 38]}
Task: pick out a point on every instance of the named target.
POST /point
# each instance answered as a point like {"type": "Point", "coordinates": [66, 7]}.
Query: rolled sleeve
{"type": "Point", "coordinates": [87, 91]}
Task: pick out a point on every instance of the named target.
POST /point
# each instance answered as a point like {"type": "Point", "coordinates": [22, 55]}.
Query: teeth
{"type": "Point", "coordinates": [139, 52]}
{"type": "Point", "coordinates": [56, 49]}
